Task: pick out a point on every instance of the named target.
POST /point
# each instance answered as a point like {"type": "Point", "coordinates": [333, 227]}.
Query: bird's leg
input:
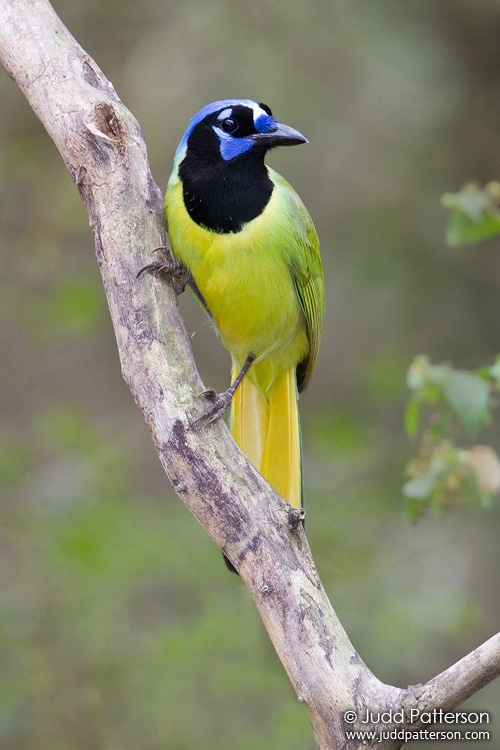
{"type": "Point", "coordinates": [220, 401]}
{"type": "Point", "coordinates": [169, 268]}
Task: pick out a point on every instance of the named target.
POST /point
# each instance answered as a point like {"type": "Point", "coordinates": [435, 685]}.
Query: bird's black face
{"type": "Point", "coordinates": [220, 162]}
{"type": "Point", "coordinates": [233, 128]}
{"type": "Point", "coordinates": [226, 133]}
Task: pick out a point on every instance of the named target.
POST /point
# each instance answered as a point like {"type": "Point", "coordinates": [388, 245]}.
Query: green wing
{"type": "Point", "coordinates": [308, 279]}
{"type": "Point", "coordinates": [305, 266]}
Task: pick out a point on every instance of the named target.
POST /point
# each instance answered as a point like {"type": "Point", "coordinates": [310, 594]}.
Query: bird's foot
{"type": "Point", "coordinates": [220, 402]}
{"type": "Point", "coordinates": [167, 267]}
{"type": "Point", "coordinates": [296, 517]}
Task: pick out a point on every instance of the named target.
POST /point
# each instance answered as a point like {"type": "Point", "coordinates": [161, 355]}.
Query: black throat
{"type": "Point", "coordinates": [224, 195]}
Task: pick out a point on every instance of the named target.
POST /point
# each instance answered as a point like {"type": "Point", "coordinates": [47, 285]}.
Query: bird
{"type": "Point", "coordinates": [251, 252]}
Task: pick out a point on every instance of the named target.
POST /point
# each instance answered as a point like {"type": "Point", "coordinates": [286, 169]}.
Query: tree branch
{"type": "Point", "coordinates": [102, 146]}
{"type": "Point", "coordinates": [457, 683]}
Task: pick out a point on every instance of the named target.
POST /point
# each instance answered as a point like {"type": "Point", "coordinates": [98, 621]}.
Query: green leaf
{"type": "Point", "coordinates": [474, 214]}
{"type": "Point", "coordinates": [461, 230]}
{"type": "Point", "coordinates": [412, 416]}
{"type": "Point", "coordinates": [468, 395]}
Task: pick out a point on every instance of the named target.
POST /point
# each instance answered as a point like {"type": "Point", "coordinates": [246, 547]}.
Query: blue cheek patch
{"type": "Point", "coordinates": [230, 147]}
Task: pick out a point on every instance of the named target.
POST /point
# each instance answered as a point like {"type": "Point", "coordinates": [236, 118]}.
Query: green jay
{"type": "Point", "coordinates": [250, 248]}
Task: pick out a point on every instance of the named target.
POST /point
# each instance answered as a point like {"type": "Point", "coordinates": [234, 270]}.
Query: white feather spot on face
{"type": "Point", "coordinates": [225, 113]}
{"type": "Point", "coordinates": [258, 112]}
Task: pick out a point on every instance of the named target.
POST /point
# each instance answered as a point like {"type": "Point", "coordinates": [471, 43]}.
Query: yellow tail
{"type": "Point", "coordinates": [266, 427]}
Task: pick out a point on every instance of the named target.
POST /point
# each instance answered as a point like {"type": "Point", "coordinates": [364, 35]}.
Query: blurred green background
{"type": "Point", "coordinates": [120, 628]}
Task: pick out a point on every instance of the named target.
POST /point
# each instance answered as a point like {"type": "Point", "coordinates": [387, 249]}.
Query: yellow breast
{"type": "Point", "coordinates": [246, 281]}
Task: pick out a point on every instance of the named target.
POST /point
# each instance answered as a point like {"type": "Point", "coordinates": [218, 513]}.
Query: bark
{"type": "Point", "coordinates": [102, 146]}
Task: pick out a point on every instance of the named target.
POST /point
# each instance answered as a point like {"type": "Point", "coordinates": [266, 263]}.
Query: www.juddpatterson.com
{"type": "Point", "coordinates": [381, 735]}
{"type": "Point", "coordinates": [385, 725]}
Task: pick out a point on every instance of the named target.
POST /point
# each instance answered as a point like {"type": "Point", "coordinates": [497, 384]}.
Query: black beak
{"type": "Point", "coordinates": [282, 135]}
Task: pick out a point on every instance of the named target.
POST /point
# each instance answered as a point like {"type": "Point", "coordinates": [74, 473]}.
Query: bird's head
{"type": "Point", "coordinates": [227, 129]}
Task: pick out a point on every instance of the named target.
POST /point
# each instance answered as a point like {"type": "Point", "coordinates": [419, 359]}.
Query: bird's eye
{"type": "Point", "coordinates": [229, 125]}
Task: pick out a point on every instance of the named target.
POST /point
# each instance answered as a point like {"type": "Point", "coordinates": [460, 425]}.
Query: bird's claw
{"type": "Point", "coordinates": [169, 268]}
{"type": "Point", "coordinates": [219, 405]}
